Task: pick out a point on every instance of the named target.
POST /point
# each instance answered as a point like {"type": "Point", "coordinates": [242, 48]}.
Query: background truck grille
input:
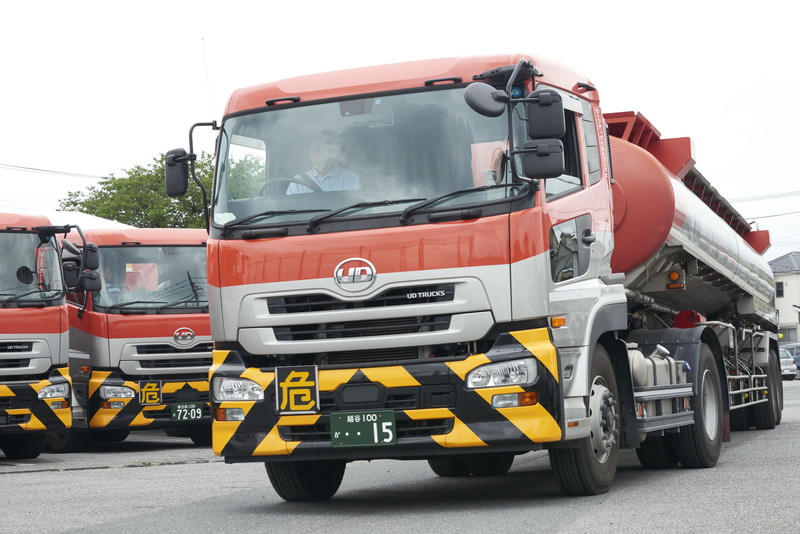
{"type": "Point", "coordinates": [15, 363]}
{"type": "Point", "coordinates": [171, 364]}
{"type": "Point", "coordinates": [381, 327]}
{"type": "Point", "coordinates": [394, 297]}
{"type": "Point", "coordinates": [169, 349]}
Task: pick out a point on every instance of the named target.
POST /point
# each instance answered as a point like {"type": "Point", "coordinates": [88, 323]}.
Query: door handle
{"type": "Point", "coordinates": [588, 237]}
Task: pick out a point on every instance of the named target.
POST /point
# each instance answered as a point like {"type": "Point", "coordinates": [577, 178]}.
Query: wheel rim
{"type": "Point", "coordinates": [603, 415]}
{"type": "Point", "coordinates": [710, 405]}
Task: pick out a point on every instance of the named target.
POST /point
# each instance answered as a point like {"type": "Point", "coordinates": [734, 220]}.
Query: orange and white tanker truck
{"type": "Point", "coordinates": [140, 347]}
{"type": "Point", "coordinates": [34, 330]}
{"type": "Point", "coordinates": [462, 260]}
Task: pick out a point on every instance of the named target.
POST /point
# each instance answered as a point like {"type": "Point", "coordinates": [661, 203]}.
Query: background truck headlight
{"type": "Point", "coordinates": [236, 389]}
{"type": "Point", "coordinates": [116, 392]}
{"type": "Point", "coordinates": [513, 373]}
{"type": "Point", "coordinates": [53, 391]}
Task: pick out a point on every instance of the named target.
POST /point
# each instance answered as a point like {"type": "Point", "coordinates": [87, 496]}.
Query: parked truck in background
{"type": "Point", "coordinates": [34, 329]}
{"type": "Point", "coordinates": [462, 260]}
{"type": "Point", "coordinates": [140, 347]}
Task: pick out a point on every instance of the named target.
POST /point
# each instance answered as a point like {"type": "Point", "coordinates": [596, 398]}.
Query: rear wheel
{"type": "Point", "coordinates": [657, 452]}
{"type": "Point", "coordinates": [768, 414]}
{"type": "Point", "coordinates": [699, 445]}
{"type": "Point", "coordinates": [489, 464]}
{"type": "Point", "coordinates": [22, 446]}
{"type": "Point", "coordinates": [590, 468]}
{"type": "Point", "coordinates": [306, 481]}
{"type": "Point", "coordinates": [449, 466]}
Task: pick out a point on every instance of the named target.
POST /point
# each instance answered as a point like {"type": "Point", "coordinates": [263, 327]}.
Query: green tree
{"type": "Point", "coordinates": [139, 198]}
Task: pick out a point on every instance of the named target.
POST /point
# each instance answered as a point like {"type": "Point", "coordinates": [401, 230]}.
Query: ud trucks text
{"type": "Point", "coordinates": [34, 329]}
{"type": "Point", "coordinates": [462, 260]}
{"type": "Point", "coordinates": [140, 346]}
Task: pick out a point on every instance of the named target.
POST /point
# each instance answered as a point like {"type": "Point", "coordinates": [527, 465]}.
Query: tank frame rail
{"type": "Point", "coordinates": [673, 392]}
{"type": "Point", "coordinates": [750, 380]}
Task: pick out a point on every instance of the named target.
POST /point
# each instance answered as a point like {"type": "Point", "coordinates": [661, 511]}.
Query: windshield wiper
{"type": "Point", "coordinates": [179, 302]}
{"type": "Point", "coordinates": [241, 220]}
{"type": "Point", "coordinates": [404, 218]}
{"type": "Point", "coordinates": [17, 297]}
{"type": "Point", "coordinates": [124, 304]}
{"type": "Point", "coordinates": [314, 221]}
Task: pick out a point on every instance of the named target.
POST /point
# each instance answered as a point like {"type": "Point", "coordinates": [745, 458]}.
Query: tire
{"type": "Point", "coordinates": [23, 446]}
{"type": "Point", "coordinates": [589, 469]}
{"type": "Point", "coordinates": [67, 440]}
{"type": "Point", "coordinates": [489, 464]}
{"type": "Point", "coordinates": [306, 481]}
{"type": "Point", "coordinates": [657, 452]}
{"type": "Point", "coordinates": [767, 415]}
{"type": "Point", "coordinates": [449, 466]}
{"type": "Point", "coordinates": [200, 435]}
{"type": "Point", "coordinates": [698, 445]}
{"type": "Point", "coordinates": [109, 436]}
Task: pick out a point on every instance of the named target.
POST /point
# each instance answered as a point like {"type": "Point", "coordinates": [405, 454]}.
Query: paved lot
{"type": "Point", "coordinates": [155, 483]}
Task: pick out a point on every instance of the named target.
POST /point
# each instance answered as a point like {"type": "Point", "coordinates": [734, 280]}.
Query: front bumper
{"type": "Point", "coordinates": [152, 405]}
{"type": "Point", "coordinates": [433, 410]}
{"type": "Point", "coordinates": [21, 409]}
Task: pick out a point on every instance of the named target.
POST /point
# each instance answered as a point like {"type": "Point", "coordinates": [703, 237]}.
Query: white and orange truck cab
{"type": "Point", "coordinates": [140, 347]}
{"type": "Point", "coordinates": [34, 333]}
{"type": "Point", "coordinates": [462, 260]}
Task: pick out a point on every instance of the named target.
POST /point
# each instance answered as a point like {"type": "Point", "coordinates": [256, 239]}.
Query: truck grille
{"type": "Point", "coordinates": [380, 327]}
{"type": "Point", "coordinates": [173, 364]}
{"type": "Point", "coordinates": [169, 349]}
{"type": "Point", "coordinates": [393, 297]}
{"type": "Point", "coordinates": [15, 363]}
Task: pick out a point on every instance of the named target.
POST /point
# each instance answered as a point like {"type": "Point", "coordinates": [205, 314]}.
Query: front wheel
{"type": "Point", "coordinates": [306, 481]}
{"type": "Point", "coordinates": [699, 445]}
{"type": "Point", "coordinates": [67, 440]}
{"type": "Point", "coordinates": [489, 464]}
{"type": "Point", "coordinates": [22, 446]}
{"type": "Point", "coordinates": [589, 469]}
{"type": "Point", "coordinates": [449, 466]}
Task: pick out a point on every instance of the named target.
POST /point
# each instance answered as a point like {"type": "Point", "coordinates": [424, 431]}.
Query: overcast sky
{"type": "Point", "coordinates": [90, 89]}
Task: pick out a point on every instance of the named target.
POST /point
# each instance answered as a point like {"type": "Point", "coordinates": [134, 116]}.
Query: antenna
{"type": "Point", "coordinates": [208, 83]}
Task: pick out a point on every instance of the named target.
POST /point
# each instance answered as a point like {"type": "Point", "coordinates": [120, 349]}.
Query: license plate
{"type": "Point", "coordinates": [190, 411]}
{"type": "Point", "coordinates": [363, 429]}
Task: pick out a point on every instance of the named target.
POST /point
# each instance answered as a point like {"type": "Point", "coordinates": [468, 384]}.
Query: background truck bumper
{"type": "Point", "coordinates": [21, 409]}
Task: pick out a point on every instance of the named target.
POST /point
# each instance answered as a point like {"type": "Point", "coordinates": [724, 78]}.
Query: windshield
{"type": "Point", "coordinates": [382, 153]}
{"type": "Point", "coordinates": [30, 270]}
{"type": "Point", "coordinates": [155, 278]}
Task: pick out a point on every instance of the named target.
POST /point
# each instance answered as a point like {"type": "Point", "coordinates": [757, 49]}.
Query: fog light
{"type": "Point", "coordinates": [116, 405]}
{"type": "Point", "coordinates": [512, 400]}
{"type": "Point", "coordinates": [59, 405]}
{"type": "Point", "coordinates": [229, 414]}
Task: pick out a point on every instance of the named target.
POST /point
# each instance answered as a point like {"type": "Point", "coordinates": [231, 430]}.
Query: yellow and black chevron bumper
{"type": "Point", "coordinates": [21, 409]}
{"type": "Point", "coordinates": [150, 403]}
{"type": "Point", "coordinates": [434, 412]}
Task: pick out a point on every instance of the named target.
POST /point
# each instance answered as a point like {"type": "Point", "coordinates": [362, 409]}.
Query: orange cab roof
{"type": "Point", "coordinates": [143, 236]}
{"type": "Point", "coordinates": [396, 76]}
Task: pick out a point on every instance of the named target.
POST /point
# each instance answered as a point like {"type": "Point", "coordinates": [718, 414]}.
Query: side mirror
{"type": "Point", "coordinates": [485, 99]}
{"type": "Point", "coordinates": [543, 158]}
{"type": "Point", "coordinates": [72, 275]}
{"type": "Point", "coordinates": [91, 257]}
{"type": "Point", "coordinates": [91, 281]}
{"type": "Point", "coordinates": [545, 115]}
{"type": "Point", "coordinates": [176, 172]}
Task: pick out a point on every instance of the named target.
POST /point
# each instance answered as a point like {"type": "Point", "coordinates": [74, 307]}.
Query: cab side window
{"type": "Point", "coordinates": [571, 180]}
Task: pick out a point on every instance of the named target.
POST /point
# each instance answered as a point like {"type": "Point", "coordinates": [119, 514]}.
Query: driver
{"type": "Point", "coordinates": [324, 152]}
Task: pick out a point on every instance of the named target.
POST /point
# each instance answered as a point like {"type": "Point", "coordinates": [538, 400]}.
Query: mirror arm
{"type": "Point", "coordinates": [191, 157]}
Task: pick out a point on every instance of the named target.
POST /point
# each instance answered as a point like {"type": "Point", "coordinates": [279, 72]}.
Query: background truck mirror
{"type": "Point", "coordinates": [176, 172]}
{"type": "Point", "coordinates": [485, 99]}
{"type": "Point", "coordinates": [72, 274]}
{"type": "Point", "coordinates": [543, 158]}
{"type": "Point", "coordinates": [91, 281]}
{"type": "Point", "coordinates": [545, 115]}
{"type": "Point", "coordinates": [91, 257]}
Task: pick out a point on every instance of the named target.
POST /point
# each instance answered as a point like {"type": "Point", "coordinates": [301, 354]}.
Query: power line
{"type": "Point", "coordinates": [766, 197]}
{"type": "Point", "coordinates": [775, 215]}
{"type": "Point", "coordinates": [48, 171]}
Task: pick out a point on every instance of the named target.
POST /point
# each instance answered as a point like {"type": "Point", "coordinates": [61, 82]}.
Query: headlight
{"type": "Point", "coordinates": [514, 373]}
{"type": "Point", "coordinates": [54, 390]}
{"type": "Point", "coordinates": [117, 392]}
{"type": "Point", "coordinates": [236, 389]}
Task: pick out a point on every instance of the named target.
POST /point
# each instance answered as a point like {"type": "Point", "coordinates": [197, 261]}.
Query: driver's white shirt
{"type": "Point", "coordinates": [337, 179]}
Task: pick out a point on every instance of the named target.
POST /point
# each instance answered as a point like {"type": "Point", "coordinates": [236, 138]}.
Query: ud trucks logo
{"type": "Point", "coordinates": [150, 392]}
{"type": "Point", "coordinates": [183, 336]}
{"type": "Point", "coordinates": [354, 274]}
{"type": "Point", "coordinates": [298, 389]}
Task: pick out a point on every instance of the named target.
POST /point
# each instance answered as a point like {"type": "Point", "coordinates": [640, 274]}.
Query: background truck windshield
{"type": "Point", "coordinates": [29, 269]}
{"type": "Point", "coordinates": [384, 148]}
{"type": "Point", "coordinates": [153, 277]}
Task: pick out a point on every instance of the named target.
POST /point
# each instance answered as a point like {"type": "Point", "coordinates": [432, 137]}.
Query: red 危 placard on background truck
{"type": "Point", "coordinates": [461, 260]}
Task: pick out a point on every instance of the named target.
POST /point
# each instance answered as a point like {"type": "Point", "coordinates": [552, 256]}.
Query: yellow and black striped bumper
{"type": "Point", "coordinates": [149, 407]}
{"type": "Point", "coordinates": [435, 413]}
{"type": "Point", "coordinates": [21, 409]}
